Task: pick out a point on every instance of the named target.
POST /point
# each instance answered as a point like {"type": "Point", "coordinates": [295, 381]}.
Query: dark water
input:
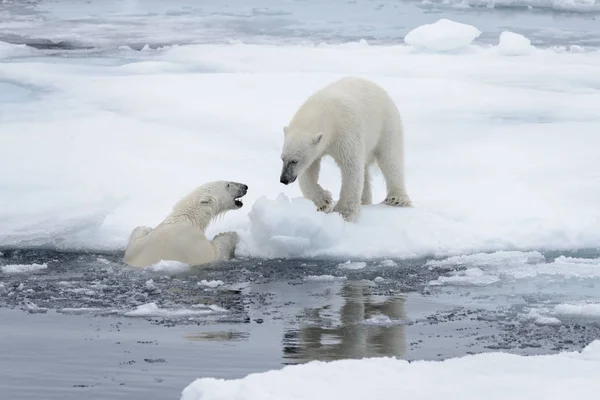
{"type": "Point", "coordinates": [65, 332]}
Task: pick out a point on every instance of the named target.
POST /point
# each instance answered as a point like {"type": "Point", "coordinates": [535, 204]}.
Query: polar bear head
{"type": "Point", "coordinates": [208, 201]}
{"type": "Point", "coordinates": [300, 150]}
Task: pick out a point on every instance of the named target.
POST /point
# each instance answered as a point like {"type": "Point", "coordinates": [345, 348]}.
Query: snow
{"type": "Point", "coordinates": [500, 151]}
{"type": "Point", "coordinates": [442, 35]}
{"type": "Point", "coordinates": [22, 268]}
{"type": "Point", "coordinates": [498, 375]}
{"type": "Point", "coordinates": [514, 44]}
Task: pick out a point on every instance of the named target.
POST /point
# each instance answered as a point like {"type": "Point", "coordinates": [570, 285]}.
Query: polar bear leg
{"type": "Point", "coordinates": [367, 197]}
{"type": "Point", "coordinates": [225, 244]}
{"type": "Point", "coordinates": [139, 232]}
{"type": "Point", "coordinates": [392, 167]}
{"type": "Point", "coordinates": [353, 176]}
{"type": "Point", "coordinates": [311, 189]}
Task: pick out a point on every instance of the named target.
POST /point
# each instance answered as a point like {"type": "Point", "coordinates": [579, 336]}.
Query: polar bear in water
{"type": "Point", "coordinates": [180, 237]}
{"type": "Point", "coordinates": [356, 122]}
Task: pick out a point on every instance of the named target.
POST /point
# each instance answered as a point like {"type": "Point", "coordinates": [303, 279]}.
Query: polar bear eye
{"type": "Point", "coordinates": [228, 185]}
{"type": "Point", "coordinates": [294, 162]}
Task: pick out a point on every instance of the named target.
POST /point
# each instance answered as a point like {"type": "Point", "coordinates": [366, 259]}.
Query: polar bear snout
{"type": "Point", "coordinates": [288, 173]}
{"type": "Point", "coordinates": [238, 190]}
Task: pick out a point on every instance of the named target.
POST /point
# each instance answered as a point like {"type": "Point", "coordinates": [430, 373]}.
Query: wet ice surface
{"type": "Point", "coordinates": [88, 325]}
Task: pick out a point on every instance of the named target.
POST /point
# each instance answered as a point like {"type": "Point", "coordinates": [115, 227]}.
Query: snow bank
{"type": "Point", "coordinates": [22, 268]}
{"type": "Point", "coordinates": [443, 35]}
{"type": "Point", "coordinates": [500, 376]}
{"type": "Point", "coordinates": [514, 44]}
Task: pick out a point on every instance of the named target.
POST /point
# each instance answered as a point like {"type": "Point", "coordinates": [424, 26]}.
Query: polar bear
{"type": "Point", "coordinates": [356, 122]}
{"type": "Point", "coordinates": [180, 237]}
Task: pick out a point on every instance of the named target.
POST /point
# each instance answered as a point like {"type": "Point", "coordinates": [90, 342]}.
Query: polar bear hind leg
{"type": "Point", "coordinates": [390, 161]}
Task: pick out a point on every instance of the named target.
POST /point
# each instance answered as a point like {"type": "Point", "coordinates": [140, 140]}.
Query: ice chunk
{"type": "Point", "coordinates": [389, 263]}
{"type": "Point", "coordinates": [324, 278]}
{"type": "Point", "coordinates": [153, 310]}
{"type": "Point", "coordinates": [285, 227]}
{"type": "Point", "coordinates": [590, 310]}
{"type": "Point", "coordinates": [514, 44]}
{"type": "Point", "coordinates": [352, 265]}
{"type": "Point", "coordinates": [443, 35]}
{"type": "Point", "coordinates": [169, 266]}
{"type": "Point", "coordinates": [23, 268]}
{"type": "Point", "coordinates": [210, 284]}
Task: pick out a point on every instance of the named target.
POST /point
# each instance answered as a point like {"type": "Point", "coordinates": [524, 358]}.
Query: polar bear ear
{"type": "Point", "coordinates": [317, 138]}
{"type": "Point", "coordinates": [285, 130]}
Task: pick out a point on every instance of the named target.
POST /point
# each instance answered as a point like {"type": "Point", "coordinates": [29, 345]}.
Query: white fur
{"type": "Point", "coordinates": [180, 237]}
{"type": "Point", "coordinates": [356, 122]}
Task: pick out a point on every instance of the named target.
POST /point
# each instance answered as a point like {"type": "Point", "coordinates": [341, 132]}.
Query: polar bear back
{"type": "Point", "coordinates": [182, 242]}
{"type": "Point", "coordinates": [349, 106]}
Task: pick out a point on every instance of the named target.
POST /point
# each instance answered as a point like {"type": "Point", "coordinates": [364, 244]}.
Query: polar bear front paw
{"type": "Point", "coordinates": [324, 201]}
{"type": "Point", "coordinates": [226, 243]}
{"type": "Point", "coordinates": [398, 201]}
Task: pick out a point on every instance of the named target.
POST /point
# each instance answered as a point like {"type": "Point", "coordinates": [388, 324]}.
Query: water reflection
{"type": "Point", "coordinates": [365, 326]}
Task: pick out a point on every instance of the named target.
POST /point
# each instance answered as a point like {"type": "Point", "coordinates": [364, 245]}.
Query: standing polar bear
{"type": "Point", "coordinates": [180, 237]}
{"type": "Point", "coordinates": [356, 122]}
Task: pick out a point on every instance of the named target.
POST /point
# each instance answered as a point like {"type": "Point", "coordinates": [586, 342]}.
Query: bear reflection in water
{"type": "Point", "coordinates": [369, 326]}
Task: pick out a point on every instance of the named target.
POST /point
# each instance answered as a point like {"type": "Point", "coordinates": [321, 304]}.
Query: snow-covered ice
{"type": "Point", "coordinates": [500, 151]}
{"type": "Point", "coordinates": [500, 376]}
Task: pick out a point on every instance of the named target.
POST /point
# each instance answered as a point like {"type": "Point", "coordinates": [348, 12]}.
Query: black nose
{"type": "Point", "coordinates": [245, 187]}
{"type": "Point", "coordinates": [283, 180]}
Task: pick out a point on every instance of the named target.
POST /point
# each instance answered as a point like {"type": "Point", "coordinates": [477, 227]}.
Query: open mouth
{"type": "Point", "coordinates": [238, 203]}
